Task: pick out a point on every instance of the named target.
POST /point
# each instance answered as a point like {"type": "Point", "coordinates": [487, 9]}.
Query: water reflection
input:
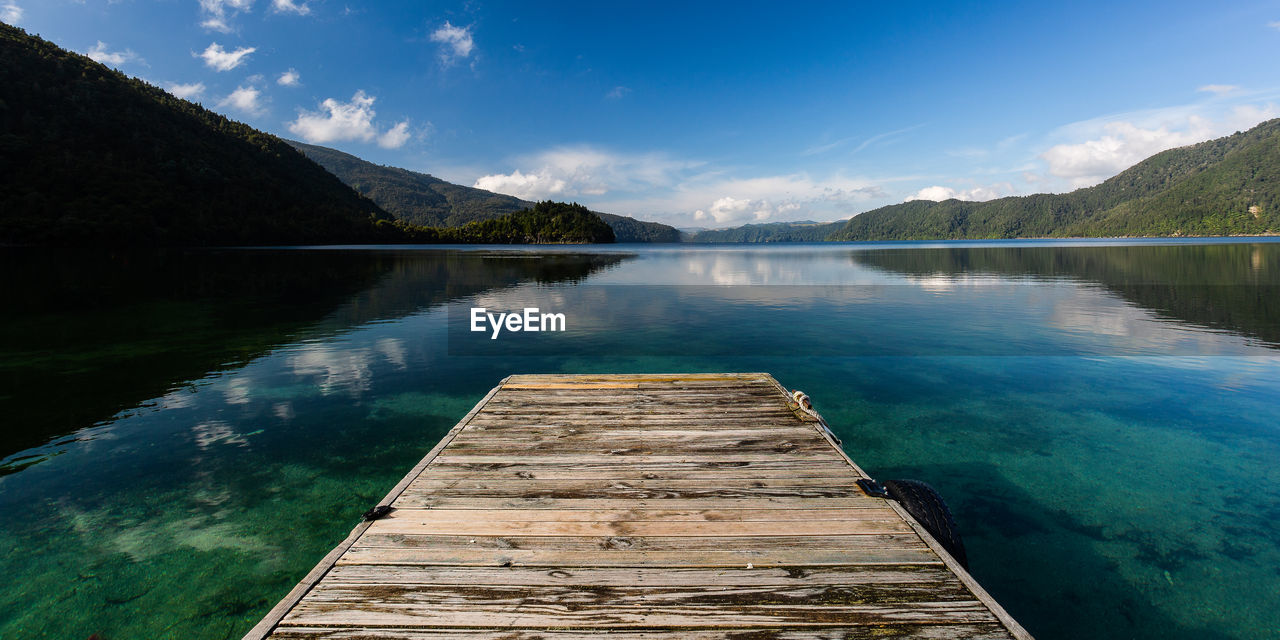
{"type": "Point", "coordinates": [873, 301]}
{"type": "Point", "coordinates": [1227, 287]}
{"type": "Point", "coordinates": [93, 334]}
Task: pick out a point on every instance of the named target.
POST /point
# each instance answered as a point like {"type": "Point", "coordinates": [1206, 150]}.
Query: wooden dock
{"type": "Point", "coordinates": [645, 507]}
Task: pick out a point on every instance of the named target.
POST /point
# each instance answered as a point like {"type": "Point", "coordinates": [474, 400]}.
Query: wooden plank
{"type": "Point", "coordinates": [640, 493]}
{"type": "Point", "coordinates": [723, 598]}
{"type": "Point", "coordinates": [560, 608]}
{"type": "Point", "coordinates": [762, 398]}
{"type": "Point", "coordinates": [575, 385]}
{"type": "Point", "coordinates": [726, 458]}
{"type": "Point", "coordinates": [832, 472]}
{"type": "Point", "coordinates": [691, 432]}
{"type": "Point", "coordinates": [639, 446]}
{"type": "Point", "coordinates": [850, 544]}
{"type": "Point", "coordinates": [988, 631]}
{"type": "Point", "coordinates": [639, 528]}
{"type": "Point", "coordinates": [576, 440]}
{"type": "Point", "coordinates": [493, 423]}
{"type": "Point", "coordinates": [435, 501]}
{"type": "Point", "coordinates": [639, 400]}
{"type": "Point", "coordinates": [643, 576]}
{"type": "Point", "coordinates": [519, 485]}
{"type": "Point", "coordinates": [677, 378]}
{"type": "Point", "coordinates": [873, 510]}
{"type": "Point", "coordinates": [443, 464]}
{"type": "Point", "coordinates": [588, 414]}
{"type": "Point", "coordinates": [736, 557]}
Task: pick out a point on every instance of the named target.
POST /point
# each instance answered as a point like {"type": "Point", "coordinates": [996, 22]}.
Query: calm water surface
{"type": "Point", "coordinates": [186, 434]}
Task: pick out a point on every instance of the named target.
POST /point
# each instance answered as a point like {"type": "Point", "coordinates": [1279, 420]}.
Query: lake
{"type": "Point", "coordinates": [187, 433]}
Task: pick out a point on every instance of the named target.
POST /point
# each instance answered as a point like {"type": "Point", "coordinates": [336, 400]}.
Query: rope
{"type": "Point", "coordinates": [803, 403]}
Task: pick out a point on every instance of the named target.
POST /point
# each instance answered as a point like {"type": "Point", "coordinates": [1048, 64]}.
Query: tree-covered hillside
{"type": "Point", "coordinates": [1228, 186]}
{"type": "Point", "coordinates": [628, 229]}
{"type": "Point", "coordinates": [543, 223]}
{"type": "Point", "coordinates": [415, 198]}
{"type": "Point", "coordinates": [422, 199]}
{"type": "Point", "coordinates": [88, 155]}
{"type": "Point", "coordinates": [771, 232]}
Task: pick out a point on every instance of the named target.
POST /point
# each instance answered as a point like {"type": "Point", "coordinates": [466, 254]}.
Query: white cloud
{"type": "Point", "coordinates": [99, 53]}
{"type": "Point", "coordinates": [187, 91]}
{"type": "Point", "coordinates": [779, 198]}
{"type": "Point", "coordinates": [567, 172]}
{"type": "Point", "coordinates": [617, 92]}
{"type": "Point", "coordinates": [216, 14]}
{"type": "Point", "coordinates": [531, 186]}
{"type": "Point", "coordinates": [1123, 145]}
{"type": "Point", "coordinates": [289, 78]}
{"type": "Point", "coordinates": [10, 13]}
{"type": "Point", "coordinates": [457, 42]}
{"type": "Point", "coordinates": [1117, 144]}
{"type": "Point", "coordinates": [713, 200]}
{"type": "Point", "coordinates": [1274, 25]}
{"type": "Point", "coordinates": [1218, 89]}
{"type": "Point", "coordinates": [219, 59]}
{"type": "Point", "coordinates": [350, 121]}
{"type": "Point", "coordinates": [657, 186]}
{"type": "Point", "coordinates": [731, 210]}
{"type": "Point", "coordinates": [244, 99]}
{"type": "Point", "coordinates": [289, 6]}
{"type": "Point", "coordinates": [939, 193]}
{"type": "Point", "coordinates": [396, 136]}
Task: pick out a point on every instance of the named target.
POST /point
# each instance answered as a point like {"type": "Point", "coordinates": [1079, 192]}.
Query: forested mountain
{"type": "Point", "coordinates": [88, 155]}
{"type": "Point", "coordinates": [1228, 186]}
{"type": "Point", "coordinates": [628, 229]}
{"type": "Point", "coordinates": [423, 199]}
{"type": "Point", "coordinates": [415, 198]}
{"type": "Point", "coordinates": [771, 232]}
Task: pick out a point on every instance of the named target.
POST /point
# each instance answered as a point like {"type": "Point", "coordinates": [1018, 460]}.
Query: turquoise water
{"type": "Point", "coordinates": [186, 434]}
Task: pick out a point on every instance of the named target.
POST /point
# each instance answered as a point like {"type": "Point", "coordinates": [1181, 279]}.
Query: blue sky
{"type": "Point", "coordinates": [702, 114]}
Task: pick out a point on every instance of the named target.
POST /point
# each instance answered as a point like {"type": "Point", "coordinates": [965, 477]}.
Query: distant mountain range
{"type": "Point", "coordinates": [423, 199]}
{"type": "Point", "coordinates": [1228, 186]}
{"type": "Point", "coordinates": [804, 231]}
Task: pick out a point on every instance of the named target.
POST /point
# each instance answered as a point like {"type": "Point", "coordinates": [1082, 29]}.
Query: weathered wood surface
{"type": "Point", "coordinates": [644, 507]}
